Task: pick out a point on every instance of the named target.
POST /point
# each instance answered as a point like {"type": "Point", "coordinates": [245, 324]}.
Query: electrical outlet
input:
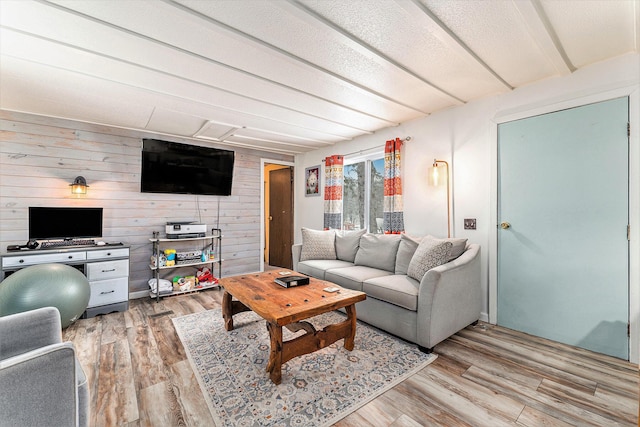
{"type": "Point", "coordinates": [469, 223]}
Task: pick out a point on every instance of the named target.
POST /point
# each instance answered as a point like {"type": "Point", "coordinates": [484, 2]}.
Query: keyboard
{"type": "Point", "coordinates": [67, 243]}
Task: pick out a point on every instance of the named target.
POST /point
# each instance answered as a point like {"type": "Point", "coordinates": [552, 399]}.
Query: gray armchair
{"type": "Point", "coordinates": [41, 381]}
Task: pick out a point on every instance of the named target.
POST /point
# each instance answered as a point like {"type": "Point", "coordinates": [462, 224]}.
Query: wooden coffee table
{"type": "Point", "coordinates": [288, 307]}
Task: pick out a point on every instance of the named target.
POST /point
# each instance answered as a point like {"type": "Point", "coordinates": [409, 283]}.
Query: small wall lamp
{"type": "Point", "coordinates": [437, 177]}
{"type": "Point", "coordinates": [79, 185]}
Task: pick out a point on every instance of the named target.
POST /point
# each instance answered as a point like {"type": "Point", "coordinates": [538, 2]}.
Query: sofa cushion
{"type": "Point", "coordinates": [406, 249]}
{"type": "Point", "coordinates": [459, 245]}
{"type": "Point", "coordinates": [317, 267]}
{"type": "Point", "coordinates": [397, 289]}
{"type": "Point", "coordinates": [347, 243]}
{"type": "Point", "coordinates": [429, 254]}
{"type": "Point", "coordinates": [352, 277]}
{"type": "Point", "coordinates": [318, 244]}
{"type": "Point", "coordinates": [378, 251]}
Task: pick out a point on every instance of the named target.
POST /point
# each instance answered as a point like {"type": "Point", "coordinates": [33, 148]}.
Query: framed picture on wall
{"type": "Point", "coordinates": [312, 181]}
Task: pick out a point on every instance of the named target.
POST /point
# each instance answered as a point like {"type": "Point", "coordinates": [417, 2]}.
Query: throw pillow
{"type": "Point", "coordinates": [347, 243]}
{"type": "Point", "coordinates": [429, 254]}
{"type": "Point", "coordinates": [459, 245]}
{"type": "Point", "coordinates": [378, 251]}
{"type": "Point", "coordinates": [318, 244]}
{"type": "Point", "coordinates": [406, 250]}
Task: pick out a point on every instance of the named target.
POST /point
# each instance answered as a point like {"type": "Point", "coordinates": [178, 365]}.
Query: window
{"type": "Point", "coordinates": [363, 194]}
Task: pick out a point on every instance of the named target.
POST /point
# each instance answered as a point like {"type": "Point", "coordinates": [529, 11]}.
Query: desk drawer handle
{"type": "Point", "coordinates": [107, 271]}
{"type": "Point", "coordinates": [109, 292]}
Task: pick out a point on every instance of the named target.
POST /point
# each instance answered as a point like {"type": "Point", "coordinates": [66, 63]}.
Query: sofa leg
{"type": "Point", "coordinates": [425, 349]}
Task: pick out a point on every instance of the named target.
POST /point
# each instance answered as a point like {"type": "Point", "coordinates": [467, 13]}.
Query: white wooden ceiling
{"type": "Point", "coordinates": [290, 75]}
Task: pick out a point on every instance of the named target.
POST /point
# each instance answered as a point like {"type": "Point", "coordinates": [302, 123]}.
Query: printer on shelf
{"type": "Point", "coordinates": [185, 230]}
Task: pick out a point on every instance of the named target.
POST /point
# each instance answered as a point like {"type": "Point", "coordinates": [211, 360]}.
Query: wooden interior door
{"type": "Point", "coordinates": [281, 217]}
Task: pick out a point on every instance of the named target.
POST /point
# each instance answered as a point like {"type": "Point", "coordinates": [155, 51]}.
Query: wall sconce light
{"type": "Point", "coordinates": [79, 185]}
{"type": "Point", "coordinates": [439, 177]}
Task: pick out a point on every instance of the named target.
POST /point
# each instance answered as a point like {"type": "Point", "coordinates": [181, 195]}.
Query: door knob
{"type": "Point", "coordinates": [504, 225]}
{"type": "Point", "coordinates": [270, 218]}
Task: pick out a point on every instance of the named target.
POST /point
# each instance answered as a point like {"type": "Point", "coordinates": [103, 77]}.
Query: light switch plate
{"type": "Point", "coordinates": [469, 223]}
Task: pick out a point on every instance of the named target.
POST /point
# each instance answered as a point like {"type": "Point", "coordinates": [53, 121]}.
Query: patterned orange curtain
{"type": "Point", "coordinates": [393, 217]}
{"type": "Point", "coordinates": [334, 179]}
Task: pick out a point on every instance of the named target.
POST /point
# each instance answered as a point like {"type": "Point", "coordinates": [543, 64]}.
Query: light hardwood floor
{"type": "Point", "coordinates": [139, 375]}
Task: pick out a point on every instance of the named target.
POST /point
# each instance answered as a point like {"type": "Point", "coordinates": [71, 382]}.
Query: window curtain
{"type": "Point", "coordinates": [334, 179]}
{"type": "Point", "coordinates": [393, 217]}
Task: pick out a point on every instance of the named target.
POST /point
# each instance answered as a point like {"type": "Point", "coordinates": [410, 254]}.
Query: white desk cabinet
{"type": "Point", "coordinates": [106, 267]}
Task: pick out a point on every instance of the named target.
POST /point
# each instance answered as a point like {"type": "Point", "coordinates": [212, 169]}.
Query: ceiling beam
{"type": "Point", "coordinates": [236, 144]}
{"type": "Point", "coordinates": [232, 129]}
{"type": "Point", "coordinates": [440, 30]}
{"type": "Point", "coordinates": [361, 45]}
{"type": "Point", "coordinates": [272, 141]}
{"type": "Point", "coordinates": [544, 35]}
{"type": "Point", "coordinates": [169, 94]}
{"type": "Point", "coordinates": [146, 133]}
{"type": "Point", "coordinates": [221, 64]}
{"type": "Point", "coordinates": [264, 44]}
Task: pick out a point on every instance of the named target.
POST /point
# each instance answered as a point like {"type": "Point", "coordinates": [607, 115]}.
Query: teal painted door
{"type": "Point", "coordinates": [563, 254]}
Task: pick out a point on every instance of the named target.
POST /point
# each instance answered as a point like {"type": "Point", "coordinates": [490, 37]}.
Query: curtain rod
{"type": "Point", "coordinates": [406, 139]}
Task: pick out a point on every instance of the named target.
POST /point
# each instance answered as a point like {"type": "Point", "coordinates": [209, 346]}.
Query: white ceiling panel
{"type": "Point", "coordinates": [265, 123]}
{"type": "Point", "coordinates": [385, 28]}
{"type": "Point", "coordinates": [498, 34]}
{"type": "Point", "coordinates": [274, 136]}
{"type": "Point", "coordinates": [328, 50]}
{"type": "Point", "coordinates": [33, 88]}
{"type": "Point", "coordinates": [594, 33]}
{"type": "Point", "coordinates": [237, 53]}
{"type": "Point", "coordinates": [276, 146]}
{"type": "Point", "coordinates": [155, 82]}
{"type": "Point", "coordinates": [290, 76]}
{"type": "Point", "coordinates": [173, 122]}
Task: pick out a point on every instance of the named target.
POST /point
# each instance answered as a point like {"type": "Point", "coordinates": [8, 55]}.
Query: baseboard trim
{"type": "Point", "coordinates": [139, 294]}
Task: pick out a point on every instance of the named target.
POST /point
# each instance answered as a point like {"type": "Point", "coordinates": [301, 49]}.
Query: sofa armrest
{"type": "Point", "coordinates": [26, 331]}
{"type": "Point", "coordinates": [296, 250]}
{"type": "Point", "coordinates": [39, 387]}
{"type": "Point", "coordinates": [450, 298]}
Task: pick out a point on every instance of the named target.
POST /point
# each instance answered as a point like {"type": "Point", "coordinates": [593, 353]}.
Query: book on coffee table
{"type": "Point", "coordinates": [291, 281]}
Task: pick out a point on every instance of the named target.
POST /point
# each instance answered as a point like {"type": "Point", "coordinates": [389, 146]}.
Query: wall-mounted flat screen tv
{"type": "Point", "coordinates": [169, 167]}
{"type": "Point", "coordinates": [47, 223]}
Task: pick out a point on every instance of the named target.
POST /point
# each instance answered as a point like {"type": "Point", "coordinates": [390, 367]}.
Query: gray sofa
{"type": "Point", "coordinates": [422, 290]}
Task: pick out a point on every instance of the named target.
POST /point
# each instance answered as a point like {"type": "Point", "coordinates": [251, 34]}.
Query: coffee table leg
{"type": "Point", "coordinates": [312, 340]}
{"type": "Point", "coordinates": [229, 308]}
{"type": "Point", "coordinates": [227, 312]}
{"type": "Point", "coordinates": [349, 340]}
{"type": "Point", "coordinates": [274, 367]}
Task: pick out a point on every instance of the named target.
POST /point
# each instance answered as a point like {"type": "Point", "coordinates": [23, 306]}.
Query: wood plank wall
{"type": "Point", "coordinates": [40, 157]}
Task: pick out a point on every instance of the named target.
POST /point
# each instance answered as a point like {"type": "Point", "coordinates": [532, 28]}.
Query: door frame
{"type": "Point", "coordinates": [572, 101]}
{"type": "Point", "coordinates": [263, 163]}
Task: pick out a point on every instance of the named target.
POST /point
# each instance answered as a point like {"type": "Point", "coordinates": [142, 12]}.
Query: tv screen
{"type": "Point", "coordinates": [64, 223]}
{"type": "Point", "coordinates": [169, 167]}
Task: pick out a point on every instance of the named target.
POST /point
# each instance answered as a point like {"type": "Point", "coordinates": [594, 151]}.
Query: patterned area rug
{"type": "Point", "coordinates": [317, 389]}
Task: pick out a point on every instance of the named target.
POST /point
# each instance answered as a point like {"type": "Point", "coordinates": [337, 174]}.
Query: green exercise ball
{"type": "Point", "coordinates": [46, 285]}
